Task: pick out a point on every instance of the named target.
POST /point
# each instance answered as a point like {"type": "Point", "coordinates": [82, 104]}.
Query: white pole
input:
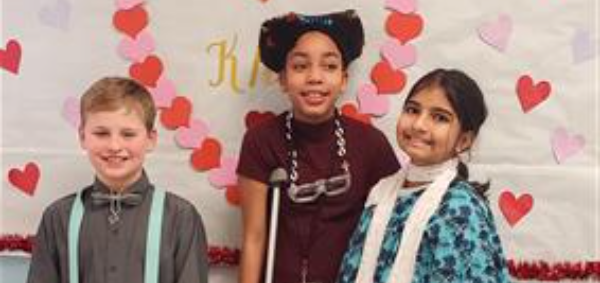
{"type": "Point", "coordinates": [272, 235]}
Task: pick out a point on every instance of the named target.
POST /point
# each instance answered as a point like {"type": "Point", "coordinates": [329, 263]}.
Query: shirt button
{"type": "Point", "coordinates": [115, 232]}
{"type": "Point", "coordinates": [113, 268]}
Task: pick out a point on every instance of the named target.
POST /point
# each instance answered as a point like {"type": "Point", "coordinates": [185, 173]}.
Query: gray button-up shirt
{"type": "Point", "coordinates": [115, 253]}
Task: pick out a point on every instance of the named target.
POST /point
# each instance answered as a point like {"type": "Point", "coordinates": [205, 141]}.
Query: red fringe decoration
{"type": "Point", "coordinates": [521, 270]}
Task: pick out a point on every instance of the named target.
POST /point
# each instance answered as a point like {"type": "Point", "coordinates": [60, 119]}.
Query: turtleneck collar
{"type": "Point", "coordinates": [313, 132]}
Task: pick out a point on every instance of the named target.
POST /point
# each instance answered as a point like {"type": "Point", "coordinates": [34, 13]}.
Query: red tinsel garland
{"type": "Point", "coordinates": [522, 270]}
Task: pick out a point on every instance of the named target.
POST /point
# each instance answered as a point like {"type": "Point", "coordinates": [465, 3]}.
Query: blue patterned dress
{"type": "Point", "coordinates": [460, 243]}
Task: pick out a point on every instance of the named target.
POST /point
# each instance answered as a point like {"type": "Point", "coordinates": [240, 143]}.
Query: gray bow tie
{"type": "Point", "coordinates": [115, 201]}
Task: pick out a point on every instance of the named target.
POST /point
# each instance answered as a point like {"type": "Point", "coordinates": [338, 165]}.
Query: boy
{"type": "Point", "coordinates": [121, 228]}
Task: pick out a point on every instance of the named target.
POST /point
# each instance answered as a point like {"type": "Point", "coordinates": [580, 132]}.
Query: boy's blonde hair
{"type": "Point", "coordinates": [112, 93]}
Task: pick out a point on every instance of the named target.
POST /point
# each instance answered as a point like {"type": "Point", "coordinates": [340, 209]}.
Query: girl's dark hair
{"type": "Point", "coordinates": [467, 100]}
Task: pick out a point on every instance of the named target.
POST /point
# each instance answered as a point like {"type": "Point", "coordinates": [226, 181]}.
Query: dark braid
{"type": "Point", "coordinates": [463, 175]}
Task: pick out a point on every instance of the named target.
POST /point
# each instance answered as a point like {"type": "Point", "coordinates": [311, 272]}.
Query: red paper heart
{"type": "Point", "coordinates": [25, 180]}
{"type": "Point", "coordinates": [178, 115]}
{"type": "Point", "coordinates": [254, 118]}
{"type": "Point", "coordinates": [387, 79]}
{"type": "Point", "coordinates": [10, 59]}
{"type": "Point", "coordinates": [531, 95]}
{"type": "Point", "coordinates": [350, 110]}
{"type": "Point", "coordinates": [514, 209]}
{"type": "Point", "coordinates": [404, 27]}
{"type": "Point", "coordinates": [147, 72]}
{"type": "Point", "coordinates": [208, 156]}
{"type": "Point", "coordinates": [131, 21]}
{"type": "Point", "coordinates": [232, 194]}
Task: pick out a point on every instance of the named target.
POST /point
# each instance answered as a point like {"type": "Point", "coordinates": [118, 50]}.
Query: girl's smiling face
{"type": "Point", "coordinates": [429, 130]}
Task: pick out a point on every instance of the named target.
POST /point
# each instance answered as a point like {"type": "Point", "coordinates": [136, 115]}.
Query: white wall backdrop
{"type": "Point", "coordinates": [539, 147]}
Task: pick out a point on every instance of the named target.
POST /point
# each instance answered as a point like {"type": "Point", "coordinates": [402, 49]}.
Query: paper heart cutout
{"type": "Point", "coordinates": [372, 103]}
{"type": "Point", "coordinates": [583, 46]}
{"type": "Point", "coordinates": [71, 111]}
{"type": "Point", "coordinates": [531, 95]}
{"type": "Point", "coordinates": [208, 156]}
{"type": "Point", "coordinates": [25, 180]}
{"type": "Point", "coordinates": [350, 110]}
{"type": "Point", "coordinates": [10, 58]}
{"type": "Point", "coordinates": [496, 33]}
{"type": "Point", "coordinates": [565, 145]}
{"type": "Point", "coordinates": [131, 21]}
{"type": "Point", "coordinates": [399, 55]}
{"type": "Point", "coordinates": [402, 6]}
{"type": "Point", "coordinates": [56, 14]}
{"type": "Point", "coordinates": [178, 115]}
{"type": "Point", "coordinates": [387, 79]}
{"type": "Point", "coordinates": [255, 118]}
{"type": "Point", "coordinates": [147, 72]}
{"type": "Point", "coordinates": [193, 135]}
{"type": "Point", "coordinates": [127, 4]}
{"type": "Point", "coordinates": [404, 27]}
{"type": "Point", "coordinates": [138, 48]}
{"type": "Point", "coordinates": [164, 92]}
{"type": "Point", "coordinates": [232, 194]}
{"type": "Point", "coordinates": [224, 175]}
{"type": "Point", "coordinates": [514, 209]}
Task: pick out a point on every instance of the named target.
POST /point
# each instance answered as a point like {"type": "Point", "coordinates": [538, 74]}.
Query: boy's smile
{"type": "Point", "coordinates": [116, 143]}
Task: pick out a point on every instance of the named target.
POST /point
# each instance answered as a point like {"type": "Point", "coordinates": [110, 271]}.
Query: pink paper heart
{"type": "Point", "coordinates": [497, 33]}
{"type": "Point", "coordinates": [225, 175]}
{"type": "Point", "coordinates": [70, 111]}
{"type": "Point", "coordinates": [163, 93]}
{"type": "Point", "coordinates": [583, 46]}
{"type": "Point", "coordinates": [372, 103]}
{"type": "Point", "coordinates": [565, 145]}
{"type": "Point", "coordinates": [402, 6]}
{"type": "Point", "coordinates": [127, 4]}
{"type": "Point", "coordinates": [137, 49]}
{"type": "Point", "coordinates": [56, 14]}
{"type": "Point", "coordinates": [400, 56]}
{"type": "Point", "coordinates": [192, 136]}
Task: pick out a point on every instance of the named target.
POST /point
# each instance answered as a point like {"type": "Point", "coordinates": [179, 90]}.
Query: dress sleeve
{"type": "Point", "coordinates": [44, 267]}
{"type": "Point", "coordinates": [253, 161]}
{"type": "Point", "coordinates": [191, 254]}
{"type": "Point", "coordinates": [464, 243]}
{"type": "Point", "coordinates": [384, 161]}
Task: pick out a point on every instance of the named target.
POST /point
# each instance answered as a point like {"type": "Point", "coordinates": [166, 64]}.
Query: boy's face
{"type": "Point", "coordinates": [116, 143]}
{"type": "Point", "coordinates": [428, 129]}
{"type": "Point", "coordinates": [314, 77]}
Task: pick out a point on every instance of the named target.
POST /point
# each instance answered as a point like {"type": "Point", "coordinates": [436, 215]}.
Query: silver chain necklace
{"type": "Point", "coordinates": [331, 186]}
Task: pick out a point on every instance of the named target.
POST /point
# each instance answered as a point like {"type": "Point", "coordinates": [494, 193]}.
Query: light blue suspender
{"type": "Point", "coordinates": [152, 241]}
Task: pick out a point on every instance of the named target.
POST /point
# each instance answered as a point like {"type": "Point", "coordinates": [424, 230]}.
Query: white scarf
{"type": "Point", "coordinates": [384, 196]}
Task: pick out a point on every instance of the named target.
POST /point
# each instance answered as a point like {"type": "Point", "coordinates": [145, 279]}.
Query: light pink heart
{"type": "Point", "coordinates": [56, 14]}
{"type": "Point", "coordinates": [225, 175]}
{"type": "Point", "coordinates": [163, 93]}
{"type": "Point", "coordinates": [399, 56]}
{"type": "Point", "coordinates": [402, 6]}
{"type": "Point", "coordinates": [192, 136]}
{"type": "Point", "coordinates": [496, 33]}
{"type": "Point", "coordinates": [372, 103]}
{"type": "Point", "coordinates": [70, 111]}
{"type": "Point", "coordinates": [565, 145]}
{"type": "Point", "coordinates": [137, 49]}
{"type": "Point", "coordinates": [127, 4]}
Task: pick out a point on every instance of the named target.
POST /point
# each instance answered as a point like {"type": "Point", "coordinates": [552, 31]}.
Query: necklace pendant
{"type": "Point", "coordinates": [304, 273]}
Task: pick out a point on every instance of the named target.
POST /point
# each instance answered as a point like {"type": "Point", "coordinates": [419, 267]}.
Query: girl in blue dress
{"type": "Point", "coordinates": [428, 222]}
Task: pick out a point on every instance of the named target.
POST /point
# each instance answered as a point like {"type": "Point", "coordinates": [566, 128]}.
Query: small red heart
{"type": "Point", "coordinates": [147, 72]}
{"type": "Point", "coordinates": [531, 95]}
{"type": "Point", "coordinates": [255, 118]}
{"type": "Point", "coordinates": [208, 156]}
{"type": "Point", "coordinates": [514, 209]}
{"type": "Point", "coordinates": [387, 79]}
{"type": "Point", "coordinates": [232, 194]}
{"type": "Point", "coordinates": [178, 115]}
{"type": "Point", "coordinates": [350, 110]}
{"type": "Point", "coordinates": [25, 180]}
{"type": "Point", "coordinates": [131, 21]}
{"type": "Point", "coordinates": [404, 27]}
{"type": "Point", "coordinates": [10, 59]}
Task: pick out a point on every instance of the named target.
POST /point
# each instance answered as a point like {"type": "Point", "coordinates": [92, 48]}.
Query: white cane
{"type": "Point", "coordinates": [277, 179]}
